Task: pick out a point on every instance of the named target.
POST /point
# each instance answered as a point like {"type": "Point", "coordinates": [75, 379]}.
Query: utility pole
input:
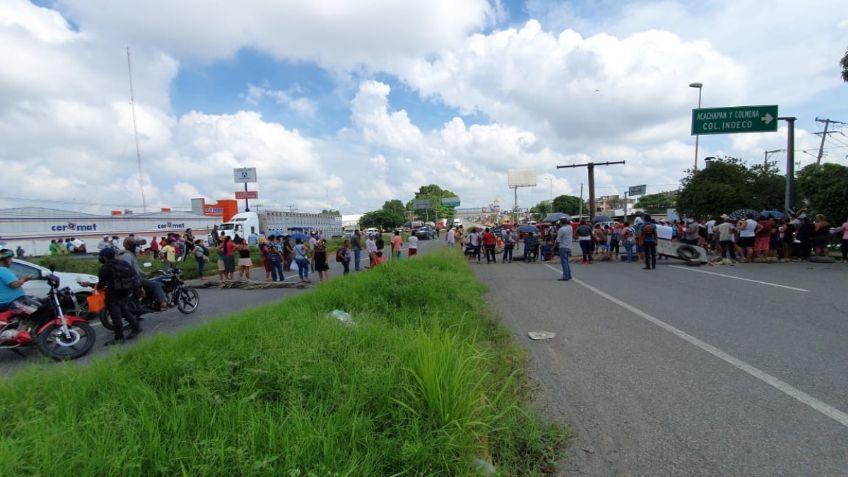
{"type": "Point", "coordinates": [827, 123]}
{"type": "Point", "coordinates": [765, 159]}
{"type": "Point", "coordinates": [789, 197]}
{"type": "Point", "coordinates": [581, 201]}
{"type": "Point", "coordinates": [591, 168]}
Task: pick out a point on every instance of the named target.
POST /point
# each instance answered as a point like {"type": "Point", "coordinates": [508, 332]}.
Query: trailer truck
{"type": "Point", "coordinates": [281, 222]}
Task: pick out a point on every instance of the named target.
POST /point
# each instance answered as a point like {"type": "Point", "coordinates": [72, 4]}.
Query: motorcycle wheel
{"type": "Point", "coordinates": [106, 320]}
{"type": "Point", "coordinates": [53, 343]}
{"type": "Point", "coordinates": [187, 300]}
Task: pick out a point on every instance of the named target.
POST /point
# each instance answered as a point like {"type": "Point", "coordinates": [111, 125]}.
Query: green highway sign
{"type": "Point", "coordinates": [450, 201]}
{"type": "Point", "coordinates": [736, 119]}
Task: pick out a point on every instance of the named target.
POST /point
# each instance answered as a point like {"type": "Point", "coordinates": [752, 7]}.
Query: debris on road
{"type": "Point", "coordinates": [342, 316]}
{"type": "Point", "coordinates": [541, 335]}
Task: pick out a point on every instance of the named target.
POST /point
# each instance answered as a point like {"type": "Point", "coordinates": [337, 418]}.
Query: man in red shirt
{"type": "Point", "coordinates": [489, 245]}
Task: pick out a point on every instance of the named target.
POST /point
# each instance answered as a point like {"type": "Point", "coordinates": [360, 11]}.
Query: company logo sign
{"type": "Point", "coordinates": [171, 225]}
{"type": "Point", "coordinates": [74, 227]}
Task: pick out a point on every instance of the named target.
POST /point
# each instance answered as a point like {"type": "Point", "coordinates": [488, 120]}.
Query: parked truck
{"type": "Point", "coordinates": [281, 222]}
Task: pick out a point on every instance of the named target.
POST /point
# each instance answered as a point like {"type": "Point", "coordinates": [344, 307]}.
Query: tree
{"type": "Point", "coordinates": [567, 204]}
{"type": "Point", "coordinates": [844, 64]}
{"type": "Point", "coordinates": [768, 187]}
{"type": "Point", "coordinates": [720, 188]}
{"type": "Point", "coordinates": [434, 194]}
{"type": "Point", "coordinates": [390, 216]}
{"type": "Point", "coordinates": [331, 212]}
{"type": "Point", "coordinates": [657, 203]}
{"type": "Point", "coordinates": [540, 210]}
{"type": "Point", "coordinates": [822, 188]}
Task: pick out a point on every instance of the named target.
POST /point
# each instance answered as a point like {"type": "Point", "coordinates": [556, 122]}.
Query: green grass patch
{"type": "Point", "coordinates": [421, 384]}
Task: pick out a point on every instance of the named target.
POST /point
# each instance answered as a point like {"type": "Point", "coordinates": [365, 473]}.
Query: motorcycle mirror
{"type": "Point", "coordinates": [147, 265]}
{"type": "Point", "coordinates": [52, 267]}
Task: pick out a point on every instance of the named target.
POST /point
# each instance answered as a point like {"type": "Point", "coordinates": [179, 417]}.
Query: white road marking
{"type": "Point", "coordinates": [738, 278]}
{"type": "Point", "coordinates": [782, 386]}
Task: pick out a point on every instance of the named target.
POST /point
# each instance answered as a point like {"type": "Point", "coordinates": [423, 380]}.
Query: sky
{"type": "Point", "coordinates": [345, 105]}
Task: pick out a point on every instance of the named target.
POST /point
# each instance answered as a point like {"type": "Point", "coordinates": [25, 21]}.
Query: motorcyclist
{"type": "Point", "coordinates": [116, 299]}
{"type": "Point", "coordinates": [10, 284]}
{"type": "Point", "coordinates": [129, 256]}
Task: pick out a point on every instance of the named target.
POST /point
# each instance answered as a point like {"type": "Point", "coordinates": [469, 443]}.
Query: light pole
{"type": "Point", "coordinates": [697, 137]}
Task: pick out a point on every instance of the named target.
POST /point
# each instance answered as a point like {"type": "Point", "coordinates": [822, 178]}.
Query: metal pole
{"type": "Point", "coordinates": [581, 201]}
{"type": "Point", "coordinates": [697, 137]}
{"type": "Point", "coordinates": [591, 167]}
{"type": "Point", "coordinates": [625, 205]}
{"type": "Point", "coordinates": [246, 205]}
{"type": "Point", "coordinates": [789, 198]}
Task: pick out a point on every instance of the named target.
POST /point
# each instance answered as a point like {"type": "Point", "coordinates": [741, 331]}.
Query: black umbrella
{"type": "Point", "coordinates": [528, 228]}
{"type": "Point", "coordinates": [743, 213]}
{"type": "Point", "coordinates": [772, 213]}
{"type": "Point", "coordinates": [601, 218]}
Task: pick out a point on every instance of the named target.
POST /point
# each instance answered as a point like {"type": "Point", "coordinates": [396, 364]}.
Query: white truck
{"type": "Point", "coordinates": [281, 222]}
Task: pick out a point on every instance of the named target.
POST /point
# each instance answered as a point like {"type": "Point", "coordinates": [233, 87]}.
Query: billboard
{"type": "Point", "coordinates": [521, 178]}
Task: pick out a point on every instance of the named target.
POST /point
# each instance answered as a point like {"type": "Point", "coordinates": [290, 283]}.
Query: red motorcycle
{"type": "Point", "coordinates": [41, 322]}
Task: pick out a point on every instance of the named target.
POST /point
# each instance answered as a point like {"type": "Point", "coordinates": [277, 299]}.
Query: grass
{"type": "Point", "coordinates": [420, 385]}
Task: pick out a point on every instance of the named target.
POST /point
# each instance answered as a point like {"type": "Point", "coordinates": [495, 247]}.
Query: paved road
{"type": "Point", "coordinates": [214, 304]}
{"type": "Point", "coordinates": [688, 370]}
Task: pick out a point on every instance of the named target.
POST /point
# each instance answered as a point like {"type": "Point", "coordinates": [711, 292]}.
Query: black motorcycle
{"type": "Point", "coordinates": [177, 293]}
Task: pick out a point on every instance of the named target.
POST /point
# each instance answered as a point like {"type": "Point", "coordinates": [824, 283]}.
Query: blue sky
{"type": "Point", "coordinates": [347, 107]}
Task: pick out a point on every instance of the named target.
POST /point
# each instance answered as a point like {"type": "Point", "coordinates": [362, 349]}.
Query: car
{"type": "Point", "coordinates": [425, 233]}
{"type": "Point", "coordinates": [372, 232]}
{"type": "Point", "coordinates": [39, 288]}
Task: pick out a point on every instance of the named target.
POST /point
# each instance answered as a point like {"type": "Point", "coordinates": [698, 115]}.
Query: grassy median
{"type": "Point", "coordinates": [422, 383]}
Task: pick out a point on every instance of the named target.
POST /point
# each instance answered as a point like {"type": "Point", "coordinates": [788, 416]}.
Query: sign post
{"type": "Point", "coordinates": [735, 119]}
{"type": "Point", "coordinates": [245, 175]}
{"type": "Point", "coordinates": [633, 191]}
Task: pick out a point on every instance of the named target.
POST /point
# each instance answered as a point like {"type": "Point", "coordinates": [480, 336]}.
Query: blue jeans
{"type": "Point", "coordinates": [629, 247]}
{"type": "Point", "coordinates": [564, 254]}
{"type": "Point", "coordinates": [302, 268]}
{"type": "Point", "coordinates": [277, 270]}
{"type": "Point", "coordinates": [356, 254]}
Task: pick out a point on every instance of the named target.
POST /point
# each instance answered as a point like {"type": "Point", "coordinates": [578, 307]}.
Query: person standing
{"type": "Point", "coordinates": [725, 229]}
{"type": "Point", "coordinates": [615, 239]}
{"type": "Point", "coordinates": [277, 258]}
{"type": "Point", "coordinates": [476, 243]}
{"type": "Point", "coordinates": [450, 238]}
{"type": "Point", "coordinates": [300, 254]}
{"type": "Point", "coordinates": [114, 279]}
{"type": "Point", "coordinates": [413, 246]}
{"type": "Point", "coordinates": [488, 240]}
{"type": "Point", "coordinates": [54, 250]}
{"type": "Point", "coordinates": [356, 246]}
{"type": "Point", "coordinates": [244, 261]}
{"type": "Point", "coordinates": [821, 235]}
{"type": "Point", "coordinates": [313, 242]}
{"type": "Point", "coordinates": [628, 238]}
{"type": "Point", "coordinates": [397, 245]}
{"type": "Point", "coordinates": [20, 252]}
{"type": "Point", "coordinates": [563, 241]}
{"type": "Point", "coordinates": [509, 245]}
{"type": "Point", "coordinates": [371, 248]}
{"type": "Point", "coordinates": [584, 237]}
{"type": "Point", "coordinates": [201, 254]}
{"type": "Point", "coordinates": [844, 230]}
{"type": "Point", "coordinates": [649, 243]}
{"type": "Point", "coordinates": [154, 248]}
{"type": "Point", "coordinates": [344, 256]}
{"type": "Point", "coordinates": [319, 255]}
{"type": "Point", "coordinates": [747, 231]}
{"type": "Point", "coordinates": [169, 254]}
{"type": "Point", "coordinates": [378, 241]}
{"type": "Point", "coordinates": [265, 255]}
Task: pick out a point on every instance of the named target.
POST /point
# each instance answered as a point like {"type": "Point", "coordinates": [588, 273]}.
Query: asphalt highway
{"type": "Point", "coordinates": [710, 370]}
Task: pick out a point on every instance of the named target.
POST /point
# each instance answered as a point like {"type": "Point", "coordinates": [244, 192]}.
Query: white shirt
{"type": "Point", "coordinates": [710, 224]}
{"type": "Point", "coordinates": [750, 227]}
{"type": "Point", "coordinates": [451, 238]}
{"type": "Point", "coordinates": [564, 236]}
{"type": "Point", "coordinates": [413, 241]}
{"type": "Point", "coordinates": [371, 245]}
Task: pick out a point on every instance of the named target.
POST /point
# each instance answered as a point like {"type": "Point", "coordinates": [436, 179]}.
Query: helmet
{"type": "Point", "coordinates": [6, 253]}
{"type": "Point", "coordinates": [107, 252]}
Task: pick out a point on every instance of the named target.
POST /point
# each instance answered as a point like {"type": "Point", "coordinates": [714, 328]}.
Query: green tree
{"type": "Point", "coordinates": [390, 216]}
{"type": "Point", "coordinates": [434, 194]}
{"type": "Point", "coordinates": [844, 63]}
{"type": "Point", "coordinates": [768, 187]}
{"type": "Point", "coordinates": [331, 212]}
{"type": "Point", "coordinates": [720, 188]}
{"type": "Point", "coordinates": [823, 189]}
{"type": "Point", "coordinates": [540, 210]}
{"type": "Point", "coordinates": [567, 204]}
{"type": "Point", "coordinates": [657, 203]}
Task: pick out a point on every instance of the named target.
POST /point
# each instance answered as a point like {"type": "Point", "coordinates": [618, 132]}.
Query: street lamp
{"type": "Point", "coordinates": [697, 137]}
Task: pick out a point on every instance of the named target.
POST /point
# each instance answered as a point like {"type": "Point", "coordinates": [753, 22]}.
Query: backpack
{"type": "Point", "coordinates": [339, 255]}
{"type": "Point", "coordinates": [124, 276]}
{"type": "Point", "coordinates": [648, 233]}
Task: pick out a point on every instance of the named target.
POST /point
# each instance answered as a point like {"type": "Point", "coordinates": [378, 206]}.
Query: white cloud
{"type": "Point", "coordinates": [302, 106]}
